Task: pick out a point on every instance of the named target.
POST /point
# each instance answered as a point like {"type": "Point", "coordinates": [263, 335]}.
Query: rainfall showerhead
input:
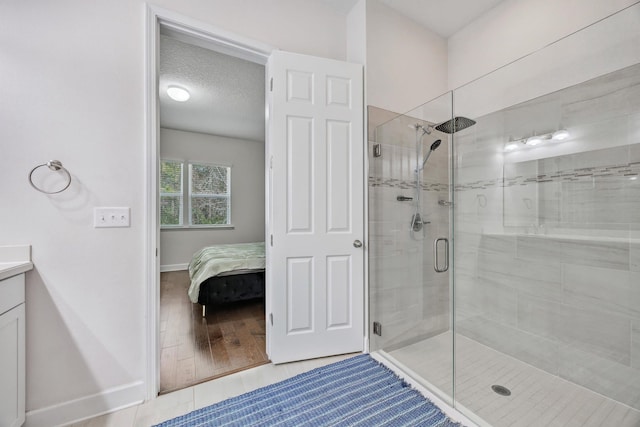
{"type": "Point", "coordinates": [455, 125]}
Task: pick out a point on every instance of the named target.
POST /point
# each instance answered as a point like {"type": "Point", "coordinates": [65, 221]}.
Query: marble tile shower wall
{"type": "Point", "coordinates": [407, 297]}
{"type": "Point", "coordinates": [555, 282]}
{"type": "Point", "coordinates": [595, 190]}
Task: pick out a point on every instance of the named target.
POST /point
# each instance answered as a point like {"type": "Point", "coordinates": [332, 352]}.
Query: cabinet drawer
{"type": "Point", "coordinates": [11, 292]}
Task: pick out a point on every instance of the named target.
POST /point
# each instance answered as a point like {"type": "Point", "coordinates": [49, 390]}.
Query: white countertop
{"type": "Point", "coordinates": [14, 260]}
{"type": "Point", "coordinates": [8, 269]}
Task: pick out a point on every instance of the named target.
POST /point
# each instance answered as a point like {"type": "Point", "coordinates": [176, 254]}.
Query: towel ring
{"type": "Point", "coordinates": [54, 165]}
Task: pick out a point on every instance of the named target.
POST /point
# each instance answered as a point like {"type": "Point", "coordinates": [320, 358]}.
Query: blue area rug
{"type": "Point", "coordinates": [354, 392]}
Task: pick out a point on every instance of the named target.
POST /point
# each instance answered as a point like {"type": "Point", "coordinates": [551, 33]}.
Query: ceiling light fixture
{"type": "Point", "coordinates": [533, 140]}
{"type": "Point", "coordinates": [560, 135]}
{"type": "Point", "coordinates": [178, 93]}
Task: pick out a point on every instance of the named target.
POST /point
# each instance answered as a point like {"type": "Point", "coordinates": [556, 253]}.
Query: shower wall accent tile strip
{"type": "Point", "coordinates": [582, 174]}
{"type": "Point", "coordinates": [628, 170]}
{"type": "Point", "coordinates": [405, 185]}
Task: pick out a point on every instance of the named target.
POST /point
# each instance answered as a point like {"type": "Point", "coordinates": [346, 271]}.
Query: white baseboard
{"type": "Point", "coordinates": [173, 267]}
{"type": "Point", "coordinates": [76, 410]}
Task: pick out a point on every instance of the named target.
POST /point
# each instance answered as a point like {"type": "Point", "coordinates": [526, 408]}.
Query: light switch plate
{"type": "Point", "coordinates": [111, 217]}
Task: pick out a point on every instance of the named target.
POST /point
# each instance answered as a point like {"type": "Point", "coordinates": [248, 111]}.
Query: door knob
{"type": "Point", "coordinates": [357, 243]}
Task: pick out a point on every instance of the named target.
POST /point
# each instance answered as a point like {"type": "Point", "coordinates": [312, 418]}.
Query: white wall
{"type": "Point", "coordinates": [406, 64]}
{"type": "Point", "coordinates": [73, 89]}
{"type": "Point", "coordinates": [246, 159]}
{"type": "Point", "coordinates": [515, 28]}
{"type": "Point", "coordinates": [357, 33]}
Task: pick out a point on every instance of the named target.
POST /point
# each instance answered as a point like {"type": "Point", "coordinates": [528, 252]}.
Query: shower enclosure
{"type": "Point", "coordinates": [518, 300]}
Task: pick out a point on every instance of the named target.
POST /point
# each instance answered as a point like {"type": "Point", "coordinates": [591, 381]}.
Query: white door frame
{"type": "Point", "coordinates": [213, 38]}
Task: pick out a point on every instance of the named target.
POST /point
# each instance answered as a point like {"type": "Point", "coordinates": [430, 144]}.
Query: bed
{"type": "Point", "coordinates": [227, 273]}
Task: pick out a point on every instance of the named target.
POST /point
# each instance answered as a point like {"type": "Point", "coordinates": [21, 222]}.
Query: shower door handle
{"type": "Point", "coordinates": [436, 265]}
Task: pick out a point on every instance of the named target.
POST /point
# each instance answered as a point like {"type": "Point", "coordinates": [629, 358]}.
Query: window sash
{"type": "Point", "coordinates": [170, 195]}
{"type": "Point", "coordinates": [192, 196]}
{"type": "Point", "coordinates": [186, 199]}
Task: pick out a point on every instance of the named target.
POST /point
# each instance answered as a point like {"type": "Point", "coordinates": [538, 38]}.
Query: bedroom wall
{"type": "Point", "coordinates": [247, 193]}
{"type": "Point", "coordinates": [73, 89]}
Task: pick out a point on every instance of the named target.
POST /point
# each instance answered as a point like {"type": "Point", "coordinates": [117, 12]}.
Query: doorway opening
{"type": "Point", "coordinates": [210, 159]}
{"type": "Point", "coordinates": [315, 223]}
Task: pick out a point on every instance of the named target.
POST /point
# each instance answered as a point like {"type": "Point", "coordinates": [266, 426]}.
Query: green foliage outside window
{"type": "Point", "coordinates": [170, 192]}
{"type": "Point", "coordinates": [209, 194]}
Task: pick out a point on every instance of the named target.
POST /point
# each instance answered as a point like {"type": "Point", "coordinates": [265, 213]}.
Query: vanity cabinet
{"type": "Point", "coordinates": [12, 351]}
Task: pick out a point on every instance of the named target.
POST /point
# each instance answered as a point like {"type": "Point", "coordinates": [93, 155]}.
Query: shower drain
{"type": "Point", "coordinates": [501, 390]}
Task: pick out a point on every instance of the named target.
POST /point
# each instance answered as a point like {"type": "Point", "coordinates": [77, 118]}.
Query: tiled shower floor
{"type": "Point", "coordinates": [537, 397]}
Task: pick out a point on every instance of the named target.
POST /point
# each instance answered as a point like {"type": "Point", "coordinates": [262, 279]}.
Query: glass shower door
{"type": "Point", "coordinates": [409, 210]}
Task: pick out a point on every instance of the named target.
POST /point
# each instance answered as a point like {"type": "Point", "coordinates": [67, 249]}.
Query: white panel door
{"type": "Point", "coordinates": [315, 278]}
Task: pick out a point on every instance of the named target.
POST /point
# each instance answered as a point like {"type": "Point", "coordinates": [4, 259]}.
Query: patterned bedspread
{"type": "Point", "coordinates": [214, 260]}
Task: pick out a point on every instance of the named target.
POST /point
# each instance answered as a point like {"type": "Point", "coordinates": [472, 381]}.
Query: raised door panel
{"type": "Point", "coordinates": [339, 292]}
{"type": "Point", "coordinates": [300, 295]}
{"type": "Point", "coordinates": [300, 86]}
{"type": "Point", "coordinates": [338, 202]}
{"type": "Point", "coordinates": [339, 92]}
{"type": "Point", "coordinates": [300, 179]}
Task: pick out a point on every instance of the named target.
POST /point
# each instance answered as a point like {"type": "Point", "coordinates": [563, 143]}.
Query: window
{"type": "Point", "coordinates": [209, 194]}
{"type": "Point", "coordinates": [208, 201]}
{"type": "Point", "coordinates": [171, 192]}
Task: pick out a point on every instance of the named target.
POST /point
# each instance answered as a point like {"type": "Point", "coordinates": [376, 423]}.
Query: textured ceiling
{"type": "Point", "coordinates": [227, 93]}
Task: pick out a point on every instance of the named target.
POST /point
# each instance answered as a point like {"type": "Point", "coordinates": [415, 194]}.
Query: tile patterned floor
{"type": "Point", "coordinates": [182, 401]}
{"type": "Point", "coordinates": [538, 398]}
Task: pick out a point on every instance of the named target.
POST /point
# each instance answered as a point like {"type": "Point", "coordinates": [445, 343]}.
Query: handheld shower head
{"type": "Point", "coordinates": [433, 148]}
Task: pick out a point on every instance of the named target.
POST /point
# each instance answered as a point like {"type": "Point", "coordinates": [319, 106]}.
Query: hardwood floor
{"type": "Point", "coordinates": [195, 349]}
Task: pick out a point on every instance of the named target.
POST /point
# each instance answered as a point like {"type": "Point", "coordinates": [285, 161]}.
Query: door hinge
{"type": "Point", "coordinates": [377, 328]}
{"type": "Point", "coordinates": [271, 162]}
{"type": "Point", "coordinates": [271, 318]}
{"type": "Point", "coordinates": [156, 251]}
{"type": "Point", "coordinates": [271, 85]}
{"type": "Point", "coordinates": [272, 240]}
